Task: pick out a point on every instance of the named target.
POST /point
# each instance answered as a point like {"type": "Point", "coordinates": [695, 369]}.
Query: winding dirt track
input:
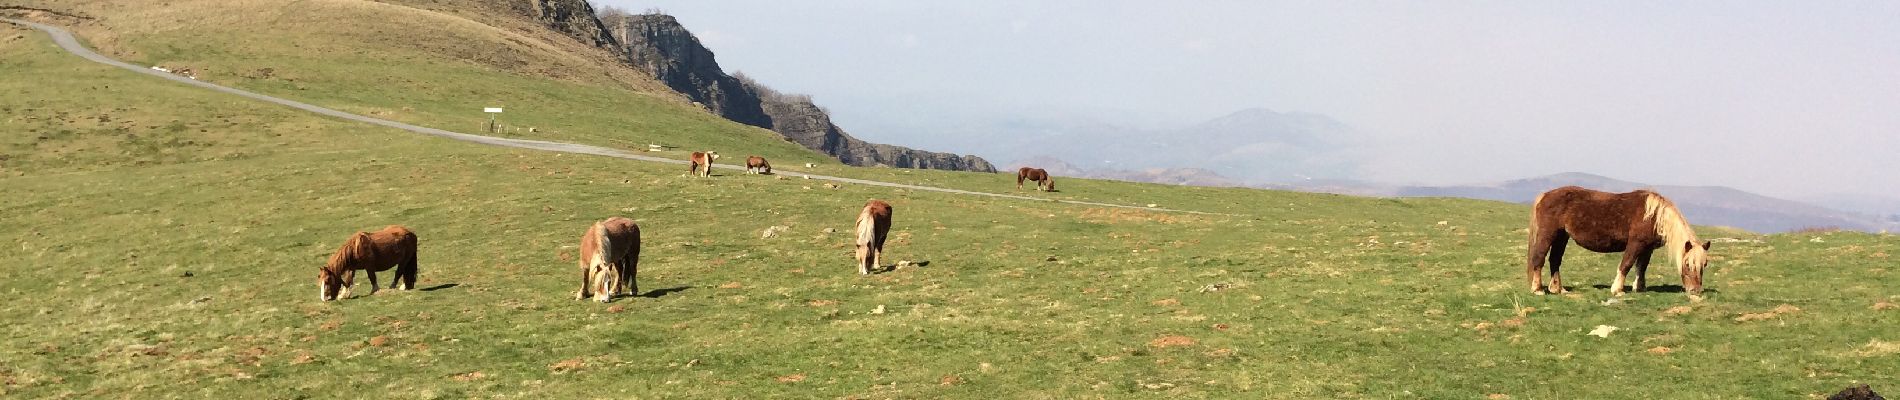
{"type": "Point", "coordinates": [66, 41]}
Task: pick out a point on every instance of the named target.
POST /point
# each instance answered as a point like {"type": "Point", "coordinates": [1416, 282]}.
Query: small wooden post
{"type": "Point", "coordinates": [492, 126]}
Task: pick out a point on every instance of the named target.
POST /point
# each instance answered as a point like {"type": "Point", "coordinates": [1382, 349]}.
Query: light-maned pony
{"type": "Point", "coordinates": [873, 223]}
{"type": "Point", "coordinates": [1635, 223]}
{"type": "Point", "coordinates": [700, 163]}
{"type": "Point", "coordinates": [1044, 182]}
{"type": "Point", "coordinates": [394, 246]}
{"type": "Point", "coordinates": [610, 259]}
{"type": "Point", "coordinates": [757, 165]}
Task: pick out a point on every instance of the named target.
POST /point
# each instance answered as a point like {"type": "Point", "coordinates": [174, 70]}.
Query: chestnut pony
{"type": "Point", "coordinates": [873, 223]}
{"type": "Point", "coordinates": [757, 165]}
{"type": "Point", "coordinates": [394, 246]}
{"type": "Point", "coordinates": [610, 259]}
{"type": "Point", "coordinates": [1044, 182]}
{"type": "Point", "coordinates": [700, 163]}
{"type": "Point", "coordinates": [1635, 224]}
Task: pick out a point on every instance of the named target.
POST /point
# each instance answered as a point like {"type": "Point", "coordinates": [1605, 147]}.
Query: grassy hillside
{"type": "Point", "coordinates": [418, 66]}
{"type": "Point", "coordinates": [162, 242]}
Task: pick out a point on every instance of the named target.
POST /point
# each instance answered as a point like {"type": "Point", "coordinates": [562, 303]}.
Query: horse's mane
{"type": "Point", "coordinates": [352, 250]}
{"type": "Point", "coordinates": [1673, 228]}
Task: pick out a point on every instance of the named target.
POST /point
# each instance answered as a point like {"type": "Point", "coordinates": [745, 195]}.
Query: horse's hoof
{"type": "Point", "coordinates": [1539, 292]}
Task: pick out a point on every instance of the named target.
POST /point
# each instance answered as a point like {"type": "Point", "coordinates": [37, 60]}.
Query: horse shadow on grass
{"type": "Point", "coordinates": [439, 287]}
{"type": "Point", "coordinates": [657, 293]}
{"type": "Point", "coordinates": [1657, 289]}
{"type": "Point", "coordinates": [885, 269]}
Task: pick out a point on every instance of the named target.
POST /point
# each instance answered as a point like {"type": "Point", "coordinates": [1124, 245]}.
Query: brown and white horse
{"type": "Point", "coordinates": [757, 165]}
{"type": "Point", "coordinates": [873, 223]}
{"type": "Point", "coordinates": [610, 259]}
{"type": "Point", "coordinates": [1635, 223]}
{"type": "Point", "coordinates": [394, 246]}
{"type": "Point", "coordinates": [700, 163]}
{"type": "Point", "coordinates": [1044, 182]}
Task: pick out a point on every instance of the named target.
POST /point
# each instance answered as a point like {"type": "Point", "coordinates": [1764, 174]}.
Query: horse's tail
{"type": "Point", "coordinates": [867, 227]}
{"type": "Point", "coordinates": [1536, 204]}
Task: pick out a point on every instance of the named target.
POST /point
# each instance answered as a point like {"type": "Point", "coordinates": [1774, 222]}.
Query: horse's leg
{"type": "Point", "coordinates": [586, 275]}
{"type": "Point", "coordinates": [1540, 245]}
{"type": "Point", "coordinates": [349, 282]}
{"type": "Point", "coordinates": [1642, 269]}
{"type": "Point", "coordinates": [1623, 270]}
{"type": "Point", "coordinates": [407, 273]}
{"type": "Point", "coordinates": [630, 272]}
{"type": "Point", "coordinates": [877, 253]}
{"type": "Point", "coordinates": [1558, 243]}
{"type": "Point", "coordinates": [372, 281]}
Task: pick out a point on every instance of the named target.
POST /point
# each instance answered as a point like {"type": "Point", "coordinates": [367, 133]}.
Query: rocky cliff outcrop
{"type": "Point", "coordinates": [661, 46]}
{"type": "Point", "coordinates": [808, 125]}
{"type": "Point", "coordinates": [574, 18]}
{"type": "Point", "coordinates": [658, 44]}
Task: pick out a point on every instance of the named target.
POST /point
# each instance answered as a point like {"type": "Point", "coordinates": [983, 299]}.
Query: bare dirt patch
{"type": "Point", "coordinates": [1784, 309]}
{"type": "Point", "coordinates": [1171, 341]}
{"type": "Point", "coordinates": [568, 365]}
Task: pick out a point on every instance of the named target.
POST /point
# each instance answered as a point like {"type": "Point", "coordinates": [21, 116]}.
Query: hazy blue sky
{"type": "Point", "coordinates": [1783, 98]}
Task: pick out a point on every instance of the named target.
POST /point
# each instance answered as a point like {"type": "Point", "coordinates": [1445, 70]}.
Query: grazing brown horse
{"type": "Point", "coordinates": [1044, 182]}
{"type": "Point", "coordinates": [1635, 223]}
{"type": "Point", "coordinates": [394, 246]}
{"type": "Point", "coordinates": [700, 163]}
{"type": "Point", "coordinates": [873, 223]}
{"type": "Point", "coordinates": [610, 259]}
{"type": "Point", "coordinates": [757, 165]}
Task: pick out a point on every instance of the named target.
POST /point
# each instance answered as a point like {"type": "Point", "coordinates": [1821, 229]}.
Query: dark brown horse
{"type": "Point", "coordinates": [394, 246]}
{"type": "Point", "coordinates": [1635, 224]}
{"type": "Point", "coordinates": [610, 259]}
{"type": "Point", "coordinates": [873, 223]}
{"type": "Point", "coordinates": [700, 163]}
{"type": "Point", "coordinates": [757, 165]}
{"type": "Point", "coordinates": [1044, 182]}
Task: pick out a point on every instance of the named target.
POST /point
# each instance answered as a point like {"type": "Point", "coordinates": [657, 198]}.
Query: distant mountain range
{"type": "Point", "coordinates": [1251, 145]}
{"type": "Point", "coordinates": [1170, 176]}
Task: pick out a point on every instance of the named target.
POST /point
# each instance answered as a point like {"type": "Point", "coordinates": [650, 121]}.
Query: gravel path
{"type": "Point", "coordinates": [66, 41]}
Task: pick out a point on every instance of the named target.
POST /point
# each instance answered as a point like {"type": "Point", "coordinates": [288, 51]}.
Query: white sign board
{"type": "Point", "coordinates": [491, 109]}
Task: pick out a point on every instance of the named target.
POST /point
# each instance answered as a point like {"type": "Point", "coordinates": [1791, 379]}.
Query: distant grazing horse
{"type": "Point", "coordinates": [757, 165]}
{"type": "Point", "coordinates": [1044, 182]}
{"type": "Point", "coordinates": [873, 223]}
{"type": "Point", "coordinates": [1635, 223]}
{"type": "Point", "coordinates": [701, 163]}
{"type": "Point", "coordinates": [610, 259]}
{"type": "Point", "coordinates": [394, 246]}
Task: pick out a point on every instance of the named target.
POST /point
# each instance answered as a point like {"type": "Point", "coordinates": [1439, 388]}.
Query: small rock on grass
{"type": "Point", "coordinates": [1603, 331]}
